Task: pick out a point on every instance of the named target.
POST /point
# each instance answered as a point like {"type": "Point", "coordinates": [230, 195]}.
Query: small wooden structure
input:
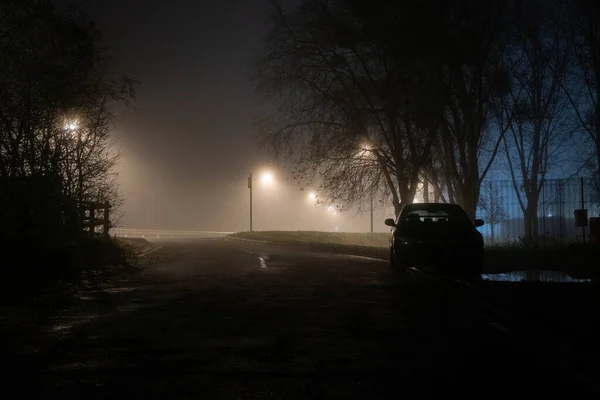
{"type": "Point", "coordinates": [93, 214]}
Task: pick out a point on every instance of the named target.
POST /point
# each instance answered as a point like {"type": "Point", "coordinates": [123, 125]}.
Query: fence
{"type": "Point", "coordinates": [34, 208]}
{"type": "Point", "coordinates": [90, 220]}
{"type": "Point", "coordinates": [558, 199]}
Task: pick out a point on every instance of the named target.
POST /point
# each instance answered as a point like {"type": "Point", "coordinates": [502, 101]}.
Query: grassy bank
{"type": "Point", "coordinates": [361, 244]}
{"type": "Point", "coordinates": [497, 258]}
{"type": "Point", "coordinates": [317, 237]}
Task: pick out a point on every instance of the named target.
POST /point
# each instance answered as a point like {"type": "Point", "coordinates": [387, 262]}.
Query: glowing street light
{"type": "Point", "coordinates": [266, 178]}
{"type": "Point", "coordinates": [71, 125]}
{"type": "Point", "coordinates": [312, 195]}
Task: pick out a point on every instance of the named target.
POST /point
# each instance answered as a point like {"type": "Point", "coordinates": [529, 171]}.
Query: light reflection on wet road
{"type": "Point", "coordinates": [535, 276]}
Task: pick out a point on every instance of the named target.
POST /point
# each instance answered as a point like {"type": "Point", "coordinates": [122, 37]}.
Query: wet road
{"type": "Point", "coordinates": [221, 319]}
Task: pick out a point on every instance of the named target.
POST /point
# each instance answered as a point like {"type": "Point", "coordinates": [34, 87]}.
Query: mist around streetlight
{"type": "Point", "coordinates": [71, 125]}
{"type": "Point", "coordinates": [266, 178]}
{"type": "Point", "coordinates": [312, 195]}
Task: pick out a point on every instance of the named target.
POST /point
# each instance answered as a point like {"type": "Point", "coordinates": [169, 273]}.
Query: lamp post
{"type": "Point", "coordinates": [266, 179]}
{"type": "Point", "coordinates": [367, 153]}
{"type": "Point", "coordinates": [250, 187]}
{"type": "Point", "coordinates": [371, 211]}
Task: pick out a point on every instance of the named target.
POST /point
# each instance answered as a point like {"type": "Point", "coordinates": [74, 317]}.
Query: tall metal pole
{"type": "Point", "coordinates": [371, 212]}
{"type": "Point", "coordinates": [560, 209]}
{"type": "Point", "coordinates": [250, 187]}
{"type": "Point", "coordinates": [582, 207]}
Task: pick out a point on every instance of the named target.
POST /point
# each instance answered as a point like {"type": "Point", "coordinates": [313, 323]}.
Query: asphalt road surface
{"type": "Point", "coordinates": [223, 319]}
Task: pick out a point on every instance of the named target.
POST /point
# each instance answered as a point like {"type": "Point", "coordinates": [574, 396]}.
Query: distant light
{"type": "Point", "coordinates": [550, 214]}
{"type": "Point", "coordinates": [312, 195]}
{"type": "Point", "coordinates": [72, 126]}
{"type": "Point", "coordinates": [266, 178]}
{"type": "Point", "coordinates": [330, 209]}
{"type": "Point", "coordinates": [337, 228]}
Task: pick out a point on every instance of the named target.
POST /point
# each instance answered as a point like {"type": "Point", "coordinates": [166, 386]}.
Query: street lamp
{"type": "Point", "coordinates": [71, 126]}
{"type": "Point", "coordinates": [266, 179]}
{"type": "Point", "coordinates": [366, 153]}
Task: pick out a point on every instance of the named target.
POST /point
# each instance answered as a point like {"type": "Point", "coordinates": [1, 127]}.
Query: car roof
{"type": "Point", "coordinates": [428, 206]}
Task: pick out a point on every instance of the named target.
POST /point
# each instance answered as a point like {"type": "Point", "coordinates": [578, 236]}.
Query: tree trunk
{"type": "Point", "coordinates": [531, 221]}
{"type": "Point", "coordinates": [425, 191]}
{"type": "Point", "coordinates": [436, 193]}
{"type": "Point", "coordinates": [468, 198]}
{"type": "Point", "coordinates": [492, 232]}
{"type": "Point", "coordinates": [398, 207]}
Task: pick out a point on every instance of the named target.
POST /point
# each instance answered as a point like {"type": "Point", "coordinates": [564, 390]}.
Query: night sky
{"type": "Point", "coordinates": [189, 146]}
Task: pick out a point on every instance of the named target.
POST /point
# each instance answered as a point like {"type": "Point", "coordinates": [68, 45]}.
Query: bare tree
{"type": "Point", "coordinates": [477, 78]}
{"type": "Point", "coordinates": [58, 100]}
{"type": "Point", "coordinates": [491, 203]}
{"type": "Point", "coordinates": [583, 86]}
{"type": "Point", "coordinates": [541, 127]}
{"type": "Point", "coordinates": [355, 112]}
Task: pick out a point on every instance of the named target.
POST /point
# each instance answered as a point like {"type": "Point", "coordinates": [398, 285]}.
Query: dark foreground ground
{"type": "Point", "coordinates": [222, 319]}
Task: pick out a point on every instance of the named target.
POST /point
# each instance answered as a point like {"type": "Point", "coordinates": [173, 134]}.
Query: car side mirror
{"type": "Point", "coordinates": [389, 222]}
{"type": "Point", "coordinates": [479, 222]}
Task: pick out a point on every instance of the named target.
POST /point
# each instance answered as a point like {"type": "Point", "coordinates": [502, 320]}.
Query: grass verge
{"type": "Point", "coordinates": [373, 245]}
{"type": "Point", "coordinates": [317, 237]}
{"type": "Point", "coordinates": [498, 259]}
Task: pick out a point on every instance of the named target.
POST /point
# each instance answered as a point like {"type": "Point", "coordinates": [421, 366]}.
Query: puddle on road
{"type": "Point", "coordinates": [535, 276]}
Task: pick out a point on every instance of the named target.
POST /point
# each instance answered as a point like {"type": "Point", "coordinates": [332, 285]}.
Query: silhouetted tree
{"type": "Point", "coordinates": [392, 77]}
{"type": "Point", "coordinates": [58, 98]}
{"type": "Point", "coordinates": [477, 78]}
{"type": "Point", "coordinates": [541, 126]}
{"type": "Point", "coordinates": [491, 203]}
{"type": "Point", "coordinates": [361, 104]}
{"type": "Point", "coordinates": [584, 24]}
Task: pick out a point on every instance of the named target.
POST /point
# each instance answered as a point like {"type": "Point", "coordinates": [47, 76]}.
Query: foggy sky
{"type": "Point", "coordinates": [188, 147]}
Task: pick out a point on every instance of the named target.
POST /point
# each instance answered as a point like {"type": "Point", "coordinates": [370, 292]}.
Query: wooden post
{"type": "Point", "coordinates": [106, 219]}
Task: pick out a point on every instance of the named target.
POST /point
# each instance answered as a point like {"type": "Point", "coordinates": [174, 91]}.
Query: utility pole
{"type": "Point", "coordinates": [582, 207]}
{"type": "Point", "coordinates": [371, 211]}
{"type": "Point", "coordinates": [250, 187]}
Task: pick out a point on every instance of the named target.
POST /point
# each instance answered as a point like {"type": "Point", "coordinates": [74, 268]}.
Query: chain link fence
{"type": "Point", "coordinates": [503, 205]}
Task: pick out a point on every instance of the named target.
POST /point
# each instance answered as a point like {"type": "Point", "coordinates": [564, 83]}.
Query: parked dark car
{"type": "Point", "coordinates": [438, 235]}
